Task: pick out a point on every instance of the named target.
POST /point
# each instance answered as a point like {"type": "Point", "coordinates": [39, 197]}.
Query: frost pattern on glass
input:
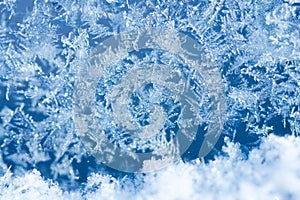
{"type": "Point", "coordinates": [148, 106]}
{"type": "Point", "coordinates": [255, 45]}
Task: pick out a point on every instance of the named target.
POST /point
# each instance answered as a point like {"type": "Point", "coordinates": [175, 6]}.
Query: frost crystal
{"type": "Point", "coordinates": [46, 45]}
{"type": "Point", "coordinates": [146, 108]}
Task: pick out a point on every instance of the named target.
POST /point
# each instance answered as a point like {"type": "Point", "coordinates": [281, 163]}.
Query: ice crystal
{"type": "Point", "coordinates": [254, 45]}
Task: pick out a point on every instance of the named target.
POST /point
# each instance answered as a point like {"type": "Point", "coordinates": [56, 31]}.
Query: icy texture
{"type": "Point", "coordinates": [255, 44]}
{"type": "Point", "coordinates": [271, 172]}
{"type": "Point", "coordinates": [149, 106]}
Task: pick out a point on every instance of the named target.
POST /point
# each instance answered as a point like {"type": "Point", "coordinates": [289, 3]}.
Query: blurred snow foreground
{"type": "Point", "coordinates": [271, 172]}
{"type": "Point", "coordinates": [252, 51]}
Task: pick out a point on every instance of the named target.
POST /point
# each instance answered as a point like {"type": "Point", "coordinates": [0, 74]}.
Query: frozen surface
{"type": "Point", "coordinates": [253, 45]}
{"type": "Point", "coordinates": [271, 172]}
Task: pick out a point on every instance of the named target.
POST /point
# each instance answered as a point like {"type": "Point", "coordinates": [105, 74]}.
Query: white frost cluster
{"type": "Point", "coordinates": [271, 172]}
{"type": "Point", "coordinates": [293, 1]}
{"type": "Point", "coordinates": [255, 45]}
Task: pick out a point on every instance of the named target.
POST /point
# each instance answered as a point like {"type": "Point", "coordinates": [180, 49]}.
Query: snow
{"type": "Point", "coordinates": [253, 53]}
{"type": "Point", "coordinates": [270, 172]}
